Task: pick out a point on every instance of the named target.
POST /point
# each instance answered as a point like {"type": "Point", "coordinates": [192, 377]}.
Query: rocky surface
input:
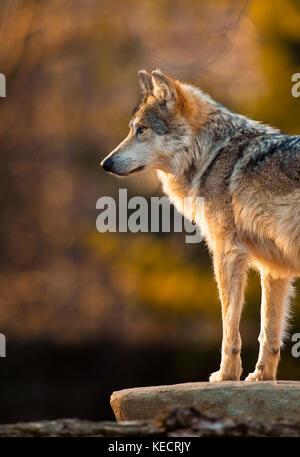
{"type": "Point", "coordinates": [238, 400]}
{"type": "Point", "coordinates": [171, 422]}
{"type": "Point", "coordinates": [79, 427]}
{"type": "Point", "coordinates": [186, 410]}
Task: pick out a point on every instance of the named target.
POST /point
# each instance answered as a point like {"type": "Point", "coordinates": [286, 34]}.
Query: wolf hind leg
{"type": "Point", "coordinates": [274, 313]}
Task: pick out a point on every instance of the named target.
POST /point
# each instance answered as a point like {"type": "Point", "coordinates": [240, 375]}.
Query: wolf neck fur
{"type": "Point", "coordinates": [223, 129]}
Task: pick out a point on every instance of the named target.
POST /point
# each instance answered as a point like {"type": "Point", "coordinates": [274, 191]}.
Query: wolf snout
{"type": "Point", "coordinates": [107, 164]}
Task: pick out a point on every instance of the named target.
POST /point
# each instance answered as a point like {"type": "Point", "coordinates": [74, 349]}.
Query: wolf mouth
{"type": "Point", "coordinates": [135, 170]}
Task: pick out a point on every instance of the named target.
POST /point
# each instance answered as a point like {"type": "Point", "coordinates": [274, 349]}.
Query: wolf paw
{"type": "Point", "coordinates": [215, 377]}
{"type": "Point", "coordinates": [258, 375]}
{"type": "Point", "coordinates": [218, 376]}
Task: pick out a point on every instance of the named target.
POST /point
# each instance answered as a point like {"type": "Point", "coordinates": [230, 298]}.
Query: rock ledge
{"type": "Point", "coordinates": [265, 400]}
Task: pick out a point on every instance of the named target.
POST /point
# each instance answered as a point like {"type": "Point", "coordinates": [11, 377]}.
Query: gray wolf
{"type": "Point", "coordinates": [249, 176]}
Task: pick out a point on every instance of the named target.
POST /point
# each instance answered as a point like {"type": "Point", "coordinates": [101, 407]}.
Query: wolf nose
{"type": "Point", "coordinates": [107, 164]}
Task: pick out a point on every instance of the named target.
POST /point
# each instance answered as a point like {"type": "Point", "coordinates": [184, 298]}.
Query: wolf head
{"type": "Point", "coordinates": [162, 127]}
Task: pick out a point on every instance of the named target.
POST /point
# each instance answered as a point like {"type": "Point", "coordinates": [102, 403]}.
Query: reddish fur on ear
{"type": "Point", "coordinates": [182, 102]}
{"type": "Point", "coordinates": [194, 110]}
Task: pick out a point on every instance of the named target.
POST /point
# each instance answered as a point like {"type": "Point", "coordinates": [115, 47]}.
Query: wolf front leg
{"type": "Point", "coordinates": [274, 310]}
{"type": "Point", "coordinates": [231, 272]}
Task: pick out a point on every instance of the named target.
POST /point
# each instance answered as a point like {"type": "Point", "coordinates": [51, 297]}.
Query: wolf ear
{"type": "Point", "coordinates": [164, 88]}
{"type": "Point", "coordinates": [145, 81]}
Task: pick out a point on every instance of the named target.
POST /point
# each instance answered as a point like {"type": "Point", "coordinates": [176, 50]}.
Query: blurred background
{"type": "Point", "coordinates": [86, 313]}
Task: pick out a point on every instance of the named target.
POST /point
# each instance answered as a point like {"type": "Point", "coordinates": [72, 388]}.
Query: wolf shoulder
{"type": "Point", "coordinates": [270, 164]}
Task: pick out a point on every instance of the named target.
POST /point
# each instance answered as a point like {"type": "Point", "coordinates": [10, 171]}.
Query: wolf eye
{"type": "Point", "coordinates": [141, 129]}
